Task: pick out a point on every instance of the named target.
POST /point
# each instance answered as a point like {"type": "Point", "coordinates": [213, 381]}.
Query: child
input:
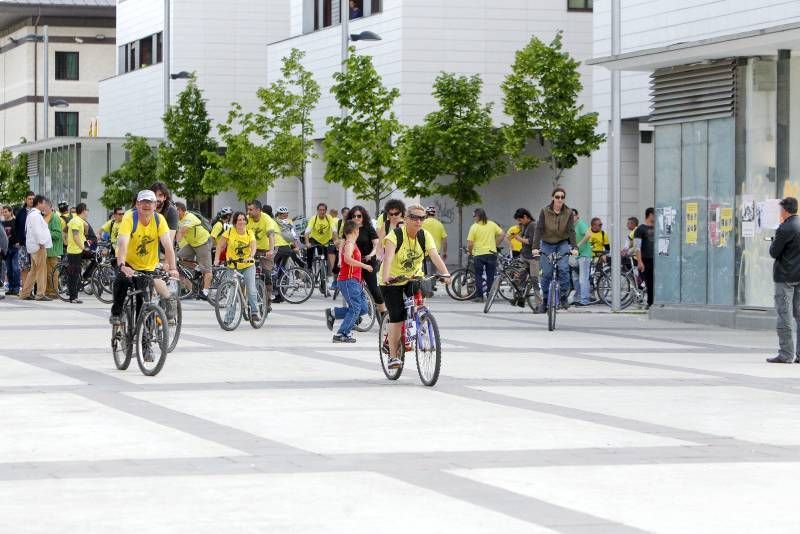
{"type": "Point", "coordinates": [349, 284]}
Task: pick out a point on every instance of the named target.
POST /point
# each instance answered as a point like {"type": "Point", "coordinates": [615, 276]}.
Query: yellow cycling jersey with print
{"type": "Point", "coordinates": [436, 229]}
{"type": "Point", "coordinates": [112, 229]}
{"type": "Point", "coordinates": [321, 229]}
{"type": "Point", "coordinates": [238, 247]}
{"type": "Point", "coordinates": [218, 229]}
{"type": "Point", "coordinates": [599, 241]}
{"type": "Point", "coordinates": [142, 254]}
{"type": "Point", "coordinates": [408, 258]}
{"type": "Point", "coordinates": [261, 230]}
{"type": "Point", "coordinates": [516, 246]}
{"type": "Point", "coordinates": [76, 224]}
{"type": "Point", "coordinates": [195, 235]}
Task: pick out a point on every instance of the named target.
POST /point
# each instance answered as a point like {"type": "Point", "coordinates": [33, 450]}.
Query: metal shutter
{"type": "Point", "coordinates": [688, 93]}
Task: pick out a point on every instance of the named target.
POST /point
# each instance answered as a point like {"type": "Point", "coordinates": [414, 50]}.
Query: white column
{"type": "Point", "coordinates": [615, 146]}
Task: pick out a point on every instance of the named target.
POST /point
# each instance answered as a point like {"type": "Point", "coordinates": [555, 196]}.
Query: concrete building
{"type": "Point", "coordinates": [718, 84]}
{"type": "Point", "coordinates": [80, 53]}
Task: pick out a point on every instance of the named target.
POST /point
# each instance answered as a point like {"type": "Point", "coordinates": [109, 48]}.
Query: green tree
{"type": "Point", "coordinates": [360, 148]}
{"type": "Point", "coordinates": [135, 174]}
{"type": "Point", "coordinates": [456, 150]}
{"type": "Point", "coordinates": [14, 181]}
{"type": "Point", "coordinates": [182, 163]}
{"type": "Point", "coordinates": [541, 95]}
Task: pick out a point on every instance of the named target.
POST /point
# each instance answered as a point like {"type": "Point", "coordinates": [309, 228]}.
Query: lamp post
{"type": "Point", "coordinates": [166, 63]}
{"type": "Point", "coordinates": [35, 38]}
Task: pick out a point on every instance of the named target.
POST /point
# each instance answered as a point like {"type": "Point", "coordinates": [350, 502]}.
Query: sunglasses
{"type": "Point", "coordinates": [394, 213]}
{"type": "Point", "coordinates": [416, 217]}
{"type": "Point", "coordinates": [358, 216]}
{"type": "Point", "coordinates": [559, 197]}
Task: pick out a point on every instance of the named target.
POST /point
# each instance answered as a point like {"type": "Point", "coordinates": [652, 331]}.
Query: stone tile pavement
{"type": "Point", "coordinates": [611, 424]}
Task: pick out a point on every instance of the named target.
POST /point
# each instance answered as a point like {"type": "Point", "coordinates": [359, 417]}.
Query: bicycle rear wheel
{"type": "Point", "coordinates": [228, 308]}
{"type": "Point", "coordinates": [103, 281]}
{"type": "Point", "coordinates": [429, 350]}
{"type": "Point", "coordinates": [462, 286]}
{"type": "Point", "coordinates": [121, 342]}
{"type": "Point", "coordinates": [552, 305]}
{"type": "Point", "coordinates": [368, 319]}
{"type": "Point", "coordinates": [383, 351]}
{"type": "Point", "coordinates": [152, 335]}
{"type": "Point", "coordinates": [61, 281]}
{"type": "Point", "coordinates": [263, 305]}
{"type": "Point", "coordinates": [498, 280]}
{"type": "Point", "coordinates": [296, 285]}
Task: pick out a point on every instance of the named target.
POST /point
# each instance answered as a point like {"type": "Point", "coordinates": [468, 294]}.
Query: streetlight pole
{"type": "Point", "coordinates": [615, 159]}
{"type": "Point", "coordinates": [166, 62]}
{"type": "Point", "coordinates": [46, 106]}
{"type": "Point", "coordinates": [344, 15]}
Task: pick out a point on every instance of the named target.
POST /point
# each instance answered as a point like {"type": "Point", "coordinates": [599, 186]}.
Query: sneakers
{"type": "Point", "coordinates": [255, 317]}
{"type": "Point", "coordinates": [202, 295]}
{"type": "Point", "coordinates": [340, 338]}
{"type": "Point", "coordinates": [395, 363]}
{"type": "Point", "coordinates": [13, 292]}
{"type": "Point", "coordinates": [76, 301]}
{"type": "Point", "coordinates": [115, 320]}
{"type": "Point", "coordinates": [44, 299]}
{"type": "Point", "coordinates": [329, 319]}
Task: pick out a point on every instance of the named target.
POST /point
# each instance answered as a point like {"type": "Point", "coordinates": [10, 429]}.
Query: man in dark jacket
{"type": "Point", "coordinates": [785, 249]}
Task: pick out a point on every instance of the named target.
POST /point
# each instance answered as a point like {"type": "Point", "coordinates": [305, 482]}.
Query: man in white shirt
{"type": "Point", "coordinates": [37, 241]}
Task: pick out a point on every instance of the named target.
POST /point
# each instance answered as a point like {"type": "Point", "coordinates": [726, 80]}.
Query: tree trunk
{"type": "Point", "coordinates": [303, 188]}
{"type": "Point", "coordinates": [460, 235]}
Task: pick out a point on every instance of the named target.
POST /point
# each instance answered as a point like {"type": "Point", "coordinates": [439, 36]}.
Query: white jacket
{"type": "Point", "coordinates": [37, 233]}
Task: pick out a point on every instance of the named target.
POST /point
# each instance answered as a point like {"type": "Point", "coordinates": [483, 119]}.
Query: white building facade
{"type": "Point", "coordinates": [718, 84]}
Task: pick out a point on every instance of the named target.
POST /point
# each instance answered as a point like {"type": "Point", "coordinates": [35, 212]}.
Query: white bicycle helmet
{"type": "Point", "coordinates": [282, 209]}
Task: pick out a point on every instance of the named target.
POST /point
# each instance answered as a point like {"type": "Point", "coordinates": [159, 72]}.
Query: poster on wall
{"type": "Point", "coordinates": [725, 225]}
{"type": "Point", "coordinates": [692, 218]}
{"type": "Point", "coordinates": [768, 214]}
{"type": "Point", "coordinates": [748, 214]}
{"type": "Point", "coordinates": [665, 223]}
{"type": "Point", "coordinates": [714, 213]}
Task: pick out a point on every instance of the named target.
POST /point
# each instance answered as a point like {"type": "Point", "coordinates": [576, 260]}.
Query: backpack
{"type": "Point", "coordinates": [136, 220]}
{"type": "Point", "coordinates": [203, 221]}
{"type": "Point", "coordinates": [287, 230]}
{"type": "Point", "coordinates": [398, 234]}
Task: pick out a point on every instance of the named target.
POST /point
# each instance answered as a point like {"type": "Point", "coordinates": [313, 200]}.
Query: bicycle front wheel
{"type": "Point", "coordinates": [61, 282]}
{"type": "Point", "coordinates": [383, 350]}
{"type": "Point", "coordinates": [429, 350]}
{"type": "Point", "coordinates": [121, 343]}
{"type": "Point", "coordinates": [498, 280]}
{"type": "Point", "coordinates": [228, 307]}
{"type": "Point", "coordinates": [175, 326]}
{"type": "Point", "coordinates": [263, 305]}
{"type": "Point", "coordinates": [152, 335]}
{"type": "Point", "coordinates": [296, 285]}
{"type": "Point", "coordinates": [552, 306]}
{"type": "Point", "coordinates": [103, 281]}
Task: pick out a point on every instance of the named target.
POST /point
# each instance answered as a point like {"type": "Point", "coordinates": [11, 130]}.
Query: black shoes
{"type": "Point", "coordinates": [76, 301]}
{"type": "Point", "coordinates": [778, 359]}
{"type": "Point", "coordinates": [339, 338]}
{"type": "Point", "coordinates": [329, 319]}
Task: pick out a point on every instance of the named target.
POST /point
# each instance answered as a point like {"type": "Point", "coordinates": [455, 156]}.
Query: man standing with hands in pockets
{"type": "Point", "coordinates": [785, 250]}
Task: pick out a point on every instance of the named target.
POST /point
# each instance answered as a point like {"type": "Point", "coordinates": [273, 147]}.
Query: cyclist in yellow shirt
{"type": "Point", "coordinates": [111, 227]}
{"type": "Point", "coordinates": [140, 232]}
{"type": "Point", "coordinates": [405, 261]}
{"type": "Point", "coordinates": [482, 241]}
{"type": "Point", "coordinates": [195, 243]}
{"type": "Point", "coordinates": [598, 238]}
{"type": "Point", "coordinates": [320, 235]}
{"type": "Point", "coordinates": [239, 245]}
{"type": "Point", "coordinates": [516, 245]}
{"type": "Point", "coordinates": [263, 228]}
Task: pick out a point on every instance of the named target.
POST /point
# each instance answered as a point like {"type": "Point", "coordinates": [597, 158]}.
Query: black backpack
{"type": "Point", "coordinates": [398, 234]}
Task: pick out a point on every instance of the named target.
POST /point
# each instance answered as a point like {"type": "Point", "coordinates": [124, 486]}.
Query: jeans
{"type": "Point", "coordinates": [487, 263]}
{"type": "Point", "coordinates": [562, 247]}
{"type": "Point", "coordinates": [249, 274]}
{"type": "Point", "coordinates": [584, 266]}
{"type": "Point", "coordinates": [353, 294]}
{"type": "Point", "coordinates": [787, 306]}
{"type": "Point", "coordinates": [12, 268]}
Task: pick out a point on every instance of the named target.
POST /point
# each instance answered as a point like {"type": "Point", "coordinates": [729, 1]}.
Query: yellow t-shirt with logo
{"type": "Point", "coordinates": [142, 254]}
{"type": "Point", "coordinates": [598, 240]}
{"type": "Point", "coordinates": [112, 230]}
{"type": "Point", "coordinates": [238, 247]}
{"type": "Point", "coordinates": [516, 246]}
{"type": "Point", "coordinates": [408, 258]}
{"type": "Point", "coordinates": [484, 237]}
{"type": "Point", "coordinates": [280, 241]}
{"type": "Point", "coordinates": [218, 229]}
{"type": "Point", "coordinates": [196, 235]}
{"type": "Point", "coordinates": [76, 224]}
{"type": "Point", "coordinates": [261, 230]}
{"type": "Point", "coordinates": [436, 229]}
{"type": "Point", "coordinates": [321, 229]}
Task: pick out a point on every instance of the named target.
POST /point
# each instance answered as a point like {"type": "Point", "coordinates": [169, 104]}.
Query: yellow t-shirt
{"type": "Point", "coordinates": [142, 254]}
{"type": "Point", "coordinates": [436, 229]}
{"type": "Point", "coordinates": [196, 235]}
{"type": "Point", "coordinates": [516, 246]}
{"type": "Point", "coordinates": [279, 239]}
{"type": "Point", "coordinates": [407, 260]}
{"type": "Point", "coordinates": [321, 229]}
{"type": "Point", "coordinates": [484, 237]}
{"type": "Point", "coordinates": [76, 224]}
{"type": "Point", "coordinates": [218, 229]}
{"type": "Point", "coordinates": [238, 245]}
{"type": "Point", "coordinates": [112, 230]}
{"type": "Point", "coordinates": [261, 230]}
{"type": "Point", "coordinates": [598, 240]}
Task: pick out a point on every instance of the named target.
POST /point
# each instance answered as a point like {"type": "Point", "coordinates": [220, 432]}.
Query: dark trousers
{"type": "Point", "coordinates": [283, 253]}
{"type": "Point", "coordinates": [12, 268]}
{"type": "Point", "coordinates": [121, 285]}
{"type": "Point", "coordinates": [485, 263]}
{"type": "Point", "coordinates": [371, 280]}
{"type": "Point", "coordinates": [73, 274]}
{"type": "Point", "coordinates": [648, 278]}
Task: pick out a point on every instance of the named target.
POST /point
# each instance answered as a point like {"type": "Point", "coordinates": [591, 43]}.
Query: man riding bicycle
{"type": "Point", "coordinates": [195, 243]}
{"type": "Point", "coordinates": [405, 260]}
{"type": "Point", "coordinates": [140, 232]}
{"type": "Point", "coordinates": [320, 235]}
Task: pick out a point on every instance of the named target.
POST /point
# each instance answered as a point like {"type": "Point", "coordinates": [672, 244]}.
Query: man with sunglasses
{"type": "Point", "coordinates": [555, 233]}
{"type": "Point", "coordinates": [405, 261]}
{"type": "Point", "coordinates": [320, 235]}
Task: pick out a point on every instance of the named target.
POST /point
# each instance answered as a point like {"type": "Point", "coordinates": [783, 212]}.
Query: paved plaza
{"type": "Point", "coordinates": [611, 424]}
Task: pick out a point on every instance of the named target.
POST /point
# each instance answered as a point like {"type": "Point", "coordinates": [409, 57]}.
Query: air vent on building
{"type": "Point", "coordinates": [646, 137]}
{"type": "Point", "coordinates": [693, 92]}
{"type": "Point", "coordinates": [33, 164]}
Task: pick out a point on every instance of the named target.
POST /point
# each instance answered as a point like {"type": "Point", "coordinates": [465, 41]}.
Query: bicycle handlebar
{"type": "Point", "coordinates": [417, 278]}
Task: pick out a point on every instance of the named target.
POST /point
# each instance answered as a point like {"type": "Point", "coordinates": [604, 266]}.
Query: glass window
{"type": "Point", "coordinates": [133, 57]}
{"type": "Point", "coordinates": [146, 52]}
{"type": "Point", "coordinates": [66, 65]}
{"type": "Point", "coordinates": [326, 12]}
{"type": "Point", "coordinates": [66, 123]}
{"type": "Point", "coordinates": [694, 192]}
{"type": "Point", "coordinates": [668, 213]}
{"type": "Point", "coordinates": [721, 213]}
{"type": "Point", "coordinates": [580, 5]}
{"type": "Point", "coordinates": [159, 47]}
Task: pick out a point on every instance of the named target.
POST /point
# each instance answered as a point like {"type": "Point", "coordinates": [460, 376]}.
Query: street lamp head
{"type": "Point", "coordinates": [365, 36]}
{"type": "Point", "coordinates": [32, 37]}
{"type": "Point", "coordinates": [58, 103]}
{"type": "Point", "coordinates": [182, 75]}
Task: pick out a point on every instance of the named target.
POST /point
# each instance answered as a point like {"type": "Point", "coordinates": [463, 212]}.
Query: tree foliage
{"type": "Point", "coordinates": [541, 95]}
{"type": "Point", "coordinates": [457, 149]}
{"type": "Point", "coordinates": [360, 148]}
{"type": "Point", "coordinates": [14, 181]}
{"type": "Point", "coordinates": [182, 163]}
{"type": "Point", "coordinates": [273, 143]}
{"type": "Point", "coordinates": [135, 174]}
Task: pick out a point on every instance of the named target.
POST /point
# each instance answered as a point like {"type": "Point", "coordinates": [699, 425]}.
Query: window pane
{"type": "Point", "coordinates": [377, 6]}
{"type": "Point", "coordinates": [579, 4]}
{"type": "Point", "coordinates": [159, 47]}
{"type": "Point", "coordinates": [694, 195]}
{"type": "Point", "coordinates": [146, 51]}
{"type": "Point", "coordinates": [668, 222]}
{"type": "Point", "coordinates": [66, 65]}
{"type": "Point", "coordinates": [66, 123]}
{"type": "Point", "coordinates": [356, 9]}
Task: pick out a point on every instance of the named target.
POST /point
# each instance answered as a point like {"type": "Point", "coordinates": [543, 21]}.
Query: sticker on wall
{"type": "Point", "coordinates": [768, 214]}
{"type": "Point", "coordinates": [692, 218]}
{"type": "Point", "coordinates": [714, 233]}
{"type": "Point", "coordinates": [725, 225]}
{"type": "Point", "coordinates": [748, 214]}
{"type": "Point", "coordinates": [665, 224]}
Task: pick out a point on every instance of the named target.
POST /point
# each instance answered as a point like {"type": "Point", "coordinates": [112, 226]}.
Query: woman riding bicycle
{"type": "Point", "coordinates": [555, 233]}
{"type": "Point", "coordinates": [240, 245]}
{"type": "Point", "coordinates": [367, 243]}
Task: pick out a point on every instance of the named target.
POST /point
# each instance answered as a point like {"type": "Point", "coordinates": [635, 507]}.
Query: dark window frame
{"type": "Point", "coordinates": [62, 74]}
{"type": "Point", "coordinates": [588, 6]}
{"type": "Point", "coordinates": [62, 123]}
{"type": "Point", "coordinates": [325, 9]}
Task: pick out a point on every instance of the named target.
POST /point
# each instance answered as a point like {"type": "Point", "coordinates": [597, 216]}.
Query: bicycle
{"type": "Point", "coordinates": [365, 322]}
{"type": "Point", "coordinates": [190, 274]}
{"type": "Point", "coordinates": [60, 278]}
{"type": "Point", "coordinates": [232, 303]}
{"type": "Point", "coordinates": [319, 270]}
{"type": "Point", "coordinates": [462, 281]}
{"type": "Point", "coordinates": [147, 329]}
{"type": "Point", "coordinates": [553, 297]}
{"type": "Point", "coordinates": [420, 334]}
{"type": "Point", "coordinates": [511, 277]}
{"type": "Point", "coordinates": [294, 284]}
{"type": "Point", "coordinates": [103, 276]}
